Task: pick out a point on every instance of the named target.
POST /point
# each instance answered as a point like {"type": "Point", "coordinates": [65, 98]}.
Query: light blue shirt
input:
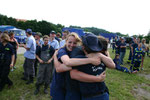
{"type": "Point", "coordinates": [62, 43]}
{"type": "Point", "coordinates": [40, 42]}
{"type": "Point", "coordinates": [30, 54]}
{"type": "Point", "coordinates": [54, 44]}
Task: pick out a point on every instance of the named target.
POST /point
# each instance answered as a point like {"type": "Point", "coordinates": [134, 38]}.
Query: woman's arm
{"type": "Point", "coordinates": [83, 77]}
{"type": "Point", "coordinates": [12, 61]}
{"type": "Point", "coordinates": [58, 66]}
{"type": "Point", "coordinates": [79, 61]}
{"type": "Point", "coordinates": [17, 44]}
{"type": "Point", "coordinates": [107, 61]}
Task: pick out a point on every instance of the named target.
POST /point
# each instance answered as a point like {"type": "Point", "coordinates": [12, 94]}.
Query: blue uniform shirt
{"type": "Point", "coordinates": [54, 44]}
{"type": "Point", "coordinates": [134, 45]}
{"type": "Point", "coordinates": [122, 49]}
{"type": "Point", "coordinates": [90, 89]}
{"type": "Point", "coordinates": [6, 51]}
{"type": "Point", "coordinates": [40, 42]}
{"type": "Point", "coordinates": [118, 44]}
{"type": "Point", "coordinates": [30, 54]}
{"type": "Point", "coordinates": [62, 43]}
{"type": "Point", "coordinates": [59, 78]}
{"type": "Point", "coordinates": [138, 54]}
{"type": "Point", "coordinates": [71, 84]}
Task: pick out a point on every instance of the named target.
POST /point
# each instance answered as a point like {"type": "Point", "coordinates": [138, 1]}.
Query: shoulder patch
{"type": "Point", "coordinates": [7, 49]}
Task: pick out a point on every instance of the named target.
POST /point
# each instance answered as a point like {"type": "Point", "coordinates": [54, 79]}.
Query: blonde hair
{"type": "Point", "coordinates": [75, 35]}
{"type": "Point", "coordinates": [5, 37]}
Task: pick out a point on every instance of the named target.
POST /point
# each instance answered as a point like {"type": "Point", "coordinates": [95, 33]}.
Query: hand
{"type": "Point", "coordinates": [21, 45]}
{"type": "Point", "coordinates": [11, 66]}
{"type": "Point", "coordinates": [95, 60]}
{"type": "Point", "coordinates": [41, 61]}
{"type": "Point", "coordinates": [49, 61]}
{"type": "Point", "coordinates": [107, 54]}
{"type": "Point", "coordinates": [102, 77]}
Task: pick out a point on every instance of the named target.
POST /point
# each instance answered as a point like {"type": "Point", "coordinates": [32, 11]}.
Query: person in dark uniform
{"type": "Point", "coordinates": [58, 86]}
{"type": "Point", "coordinates": [122, 50]}
{"type": "Point", "coordinates": [39, 43]}
{"type": "Point", "coordinates": [117, 64]}
{"type": "Point", "coordinates": [130, 54]}
{"type": "Point", "coordinates": [7, 56]}
{"type": "Point", "coordinates": [44, 55]}
{"type": "Point", "coordinates": [134, 45]}
{"type": "Point", "coordinates": [113, 44]}
{"type": "Point", "coordinates": [137, 58]}
{"type": "Point", "coordinates": [92, 90]}
{"type": "Point", "coordinates": [117, 46]}
{"type": "Point", "coordinates": [15, 45]}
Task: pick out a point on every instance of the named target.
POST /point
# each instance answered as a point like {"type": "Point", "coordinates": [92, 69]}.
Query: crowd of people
{"type": "Point", "coordinates": [138, 50]}
{"type": "Point", "coordinates": [73, 67]}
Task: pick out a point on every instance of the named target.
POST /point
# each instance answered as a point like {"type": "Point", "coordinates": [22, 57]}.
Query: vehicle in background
{"type": "Point", "coordinates": [5, 27]}
{"type": "Point", "coordinates": [20, 34]}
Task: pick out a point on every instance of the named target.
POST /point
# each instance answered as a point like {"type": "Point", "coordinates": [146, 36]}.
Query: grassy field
{"type": "Point", "coordinates": [122, 86]}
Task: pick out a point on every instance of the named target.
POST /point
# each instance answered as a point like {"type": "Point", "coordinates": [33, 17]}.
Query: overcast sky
{"type": "Point", "coordinates": [126, 16]}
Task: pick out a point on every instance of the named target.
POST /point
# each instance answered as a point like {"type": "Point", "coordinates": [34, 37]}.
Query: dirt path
{"type": "Point", "coordinates": [142, 91]}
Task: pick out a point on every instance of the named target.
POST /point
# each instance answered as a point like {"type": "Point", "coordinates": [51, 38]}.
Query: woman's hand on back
{"type": "Point", "coordinates": [102, 77]}
{"type": "Point", "coordinates": [94, 58]}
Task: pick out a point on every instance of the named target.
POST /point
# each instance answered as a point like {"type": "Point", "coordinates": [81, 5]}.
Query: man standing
{"type": "Point", "coordinates": [122, 50]}
{"type": "Point", "coordinates": [38, 39]}
{"type": "Point", "coordinates": [29, 57]}
{"type": "Point", "coordinates": [52, 41]}
{"type": "Point", "coordinates": [62, 42]}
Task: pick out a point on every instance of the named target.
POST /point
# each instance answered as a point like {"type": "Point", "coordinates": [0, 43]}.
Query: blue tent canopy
{"type": "Point", "coordinates": [108, 35]}
{"type": "Point", "coordinates": [80, 32]}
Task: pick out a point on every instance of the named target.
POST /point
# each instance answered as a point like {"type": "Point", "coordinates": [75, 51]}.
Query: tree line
{"type": "Point", "coordinates": [37, 26]}
{"type": "Point", "coordinates": [45, 27]}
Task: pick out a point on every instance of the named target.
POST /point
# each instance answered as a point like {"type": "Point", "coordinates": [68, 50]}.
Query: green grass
{"type": "Point", "coordinates": [120, 84]}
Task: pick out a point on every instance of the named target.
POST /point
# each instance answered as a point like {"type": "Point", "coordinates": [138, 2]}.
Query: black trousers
{"type": "Point", "coordinates": [35, 66]}
{"type": "Point", "coordinates": [4, 72]}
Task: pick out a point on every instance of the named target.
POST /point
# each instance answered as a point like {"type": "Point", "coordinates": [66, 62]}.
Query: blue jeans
{"type": "Point", "coordinates": [122, 54]}
{"type": "Point", "coordinates": [104, 96]}
{"type": "Point", "coordinates": [123, 69]}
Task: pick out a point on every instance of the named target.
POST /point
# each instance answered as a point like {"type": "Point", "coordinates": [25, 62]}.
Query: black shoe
{"type": "Point", "coordinates": [45, 89]}
{"type": "Point", "coordinates": [23, 78]}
